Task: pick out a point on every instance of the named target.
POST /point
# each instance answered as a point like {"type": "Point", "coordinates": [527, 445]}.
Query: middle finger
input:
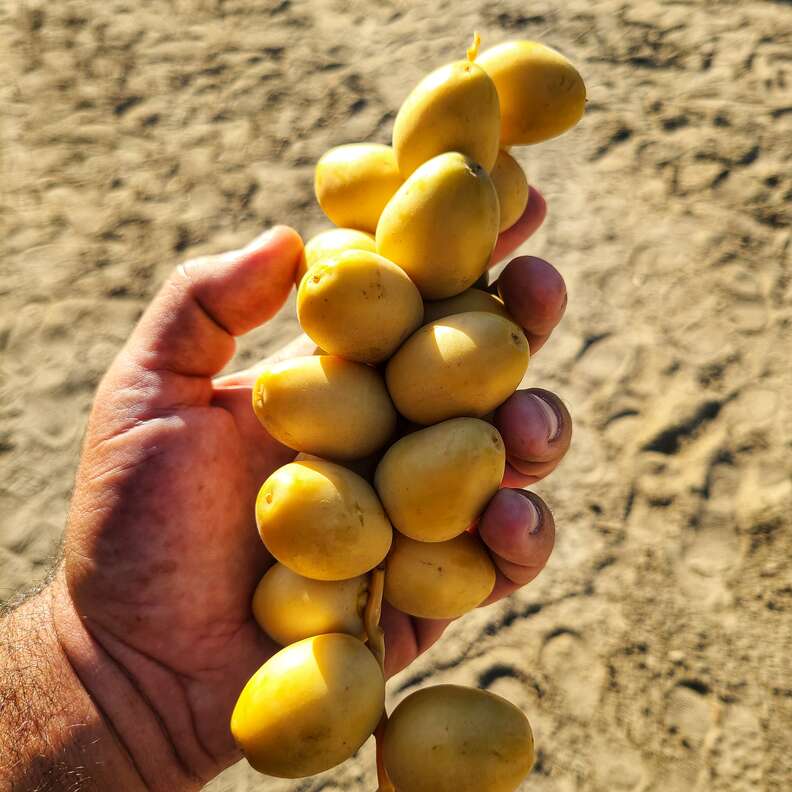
{"type": "Point", "coordinates": [537, 430]}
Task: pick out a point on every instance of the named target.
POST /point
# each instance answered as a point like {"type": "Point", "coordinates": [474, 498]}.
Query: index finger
{"type": "Point", "coordinates": [528, 224]}
{"type": "Point", "coordinates": [297, 347]}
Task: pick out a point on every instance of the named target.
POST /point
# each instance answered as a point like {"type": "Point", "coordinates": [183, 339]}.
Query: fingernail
{"type": "Point", "coordinates": [551, 417]}
{"type": "Point", "coordinates": [531, 513]}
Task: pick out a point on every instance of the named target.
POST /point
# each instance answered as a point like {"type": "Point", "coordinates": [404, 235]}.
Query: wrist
{"type": "Point", "coordinates": [153, 727]}
{"type": "Point", "coordinates": [52, 734]}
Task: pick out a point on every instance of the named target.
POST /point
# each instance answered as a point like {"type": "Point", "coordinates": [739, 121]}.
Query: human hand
{"type": "Point", "coordinates": [161, 557]}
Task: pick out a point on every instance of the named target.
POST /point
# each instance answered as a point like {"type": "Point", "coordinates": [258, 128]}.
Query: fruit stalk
{"type": "Point", "coordinates": [473, 49]}
{"type": "Point", "coordinates": [371, 616]}
{"type": "Point", "coordinates": [384, 784]}
{"type": "Point", "coordinates": [376, 643]}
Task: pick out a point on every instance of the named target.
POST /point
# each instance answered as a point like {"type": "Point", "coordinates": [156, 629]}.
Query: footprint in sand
{"type": "Point", "coordinates": [508, 671]}
{"type": "Point", "coordinates": [735, 753]}
{"type": "Point", "coordinates": [689, 713]}
{"type": "Point", "coordinates": [574, 669]}
{"type": "Point", "coordinates": [619, 767]}
{"type": "Point", "coordinates": [711, 550]}
{"type": "Point", "coordinates": [509, 680]}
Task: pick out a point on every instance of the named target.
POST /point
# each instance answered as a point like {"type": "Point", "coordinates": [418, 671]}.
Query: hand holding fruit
{"type": "Point", "coordinates": [162, 556]}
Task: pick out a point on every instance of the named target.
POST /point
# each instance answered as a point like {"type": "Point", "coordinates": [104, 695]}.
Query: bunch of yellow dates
{"type": "Point", "coordinates": [412, 357]}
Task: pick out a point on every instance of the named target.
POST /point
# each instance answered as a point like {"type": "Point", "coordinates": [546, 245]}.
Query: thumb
{"type": "Point", "coordinates": [186, 335]}
{"type": "Point", "coordinates": [189, 327]}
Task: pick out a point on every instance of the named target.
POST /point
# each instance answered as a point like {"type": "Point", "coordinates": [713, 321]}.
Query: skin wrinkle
{"type": "Point", "coordinates": [193, 677]}
{"type": "Point", "coordinates": [194, 725]}
{"type": "Point", "coordinates": [142, 693]}
{"type": "Point", "coordinates": [130, 390]}
{"type": "Point", "coordinates": [106, 719]}
{"type": "Point", "coordinates": [148, 417]}
{"type": "Point", "coordinates": [152, 452]}
{"type": "Point", "coordinates": [170, 745]}
{"type": "Point", "coordinates": [119, 470]}
{"type": "Point", "coordinates": [191, 288]}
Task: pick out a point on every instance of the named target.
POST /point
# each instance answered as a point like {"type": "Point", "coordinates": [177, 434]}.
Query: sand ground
{"type": "Point", "coordinates": [654, 652]}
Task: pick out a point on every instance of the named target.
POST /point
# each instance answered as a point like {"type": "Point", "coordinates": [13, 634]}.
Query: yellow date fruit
{"type": "Point", "coordinates": [358, 305]}
{"type": "Point", "coordinates": [325, 405]}
{"type": "Point", "coordinates": [322, 521]}
{"type": "Point", "coordinates": [541, 93]}
{"type": "Point", "coordinates": [512, 188]}
{"type": "Point", "coordinates": [464, 364]}
{"type": "Point", "coordinates": [449, 738]}
{"type": "Point", "coordinates": [354, 182]}
{"type": "Point", "coordinates": [309, 707]}
{"type": "Point", "coordinates": [438, 580]}
{"type": "Point", "coordinates": [468, 300]}
{"type": "Point", "coordinates": [455, 108]}
{"type": "Point", "coordinates": [331, 243]}
{"type": "Point", "coordinates": [441, 225]}
{"type": "Point", "coordinates": [434, 483]}
{"type": "Point", "coordinates": [290, 607]}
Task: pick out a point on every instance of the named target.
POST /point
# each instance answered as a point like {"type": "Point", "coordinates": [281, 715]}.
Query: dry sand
{"type": "Point", "coordinates": [654, 652]}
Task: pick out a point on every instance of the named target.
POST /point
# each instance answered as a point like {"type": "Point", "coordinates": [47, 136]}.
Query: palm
{"type": "Point", "coordinates": [173, 551]}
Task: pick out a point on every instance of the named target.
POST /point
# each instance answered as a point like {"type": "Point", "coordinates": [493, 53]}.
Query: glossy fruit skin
{"type": "Point", "coordinates": [325, 405]}
{"type": "Point", "coordinates": [541, 93]}
{"type": "Point", "coordinates": [462, 365]}
{"type": "Point", "coordinates": [438, 580]}
{"type": "Point", "coordinates": [455, 108]}
{"type": "Point", "coordinates": [449, 738]}
{"type": "Point", "coordinates": [354, 182]}
{"type": "Point", "coordinates": [358, 305]}
{"type": "Point", "coordinates": [330, 243]}
{"type": "Point", "coordinates": [469, 300]}
{"type": "Point", "coordinates": [434, 483]}
{"type": "Point", "coordinates": [309, 707]}
{"type": "Point", "coordinates": [441, 225]}
{"type": "Point", "coordinates": [511, 185]}
{"type": "Point", "coordinates": [322, 521]}
{"type": "Point", "coordinates": [290, 607]}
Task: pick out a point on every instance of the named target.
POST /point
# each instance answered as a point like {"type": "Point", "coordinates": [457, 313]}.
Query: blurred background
{"type": "Point", "coordinates": [654, 652]}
